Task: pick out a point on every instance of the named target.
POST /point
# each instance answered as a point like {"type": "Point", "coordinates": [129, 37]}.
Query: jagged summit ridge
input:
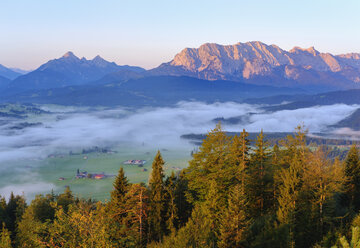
{"type": "Point", "coordinates": [250, 60]}
{"type": "Point", "coordinates": [67, 70]}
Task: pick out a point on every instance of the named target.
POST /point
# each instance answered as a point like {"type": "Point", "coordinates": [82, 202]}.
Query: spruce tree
{"type": "Point", "coordinates": [234, 222]}
{"type": "Point", "coordinates": [120, 188]}
{"type": "Point", "coordinates": [136, 207]}
{"type": "Point", "coordinates": [5, 241]}
{"type": "Point", "coordinates": [170, 201]}
{"type": "Point", "coordinates": [183, 207]}
{"type": "Point", "coordinates": [156, 205]}
{"type": "Point", "coordinates": [352, 174]}
{"type": "Point", "coordinates": [260, 180]}
{"type": "Point", "coordinates": [211, 162]}
{"type": "Point", "coordinates": [239, 156]}
{"type": "Point", "coordinates": [65, 199]}
{"type": "Point", "coordinates": [289, 191]}
{"type": "Point", "coordinates": [117, 210]}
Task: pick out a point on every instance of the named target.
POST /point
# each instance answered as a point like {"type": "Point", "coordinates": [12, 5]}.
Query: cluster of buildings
{"type": "Point", "coordinates": [85, 174]}
{"type": "Point", "coordinates": [135, 162]}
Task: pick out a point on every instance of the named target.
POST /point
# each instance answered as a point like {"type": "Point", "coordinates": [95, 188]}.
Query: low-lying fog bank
{"type": "Point", "coordinates": [65, 129]}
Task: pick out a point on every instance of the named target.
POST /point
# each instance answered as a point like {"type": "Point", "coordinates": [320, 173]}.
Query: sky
{"type": "Point", "coordinates": [149, 32]}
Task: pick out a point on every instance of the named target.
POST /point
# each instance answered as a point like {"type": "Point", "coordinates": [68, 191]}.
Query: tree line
{"type": "Point", "coordinates": [231, 195]}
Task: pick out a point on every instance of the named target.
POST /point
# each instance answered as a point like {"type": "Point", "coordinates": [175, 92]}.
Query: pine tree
{"type": "Point", "coordinates": [239, 155]}
{"type": "Point", "coordinates": [13, 213]}
{"type": "Point", "coordinates": [117, 209]}
{"type": "Point", "coordinates": [65, 199]}
{"type": "Point", "coordinates": [288, 196]}
{"type": "Point", "coordinates": [234, 222]}
{"type": "Point", "coordinates": [120, 188]}
{"type": "Point", "coordinates": [84, 225]}
{"type": "Point", "coordinates": [183, 207]}
{"type": "Point", "coordinates": [156, 205]}
{"type": "Point", "coordinates": [260, 179]}
{"type": "Point", "coordinates": [33, 226]}
{"type": "Point", "coordinates": [136, 207]}
{"type": "Point", "coordinates": [322, 179]}
{"type": "Point", "coordinates": [211, 208]}
{"type": "Point", "coordinates": [355, 240]}
{"type": "Point", "coordinates": [5, 240]}
{"type": "Point", "coordinates": [171, 209]}
{"type": "Point", "coordinates": [211, 162]}
{"type": "Point", "coordinates": [352, 174]}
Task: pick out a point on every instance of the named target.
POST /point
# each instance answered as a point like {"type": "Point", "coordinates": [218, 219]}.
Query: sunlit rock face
{"type": "Point", "coordinates": [247, 61]}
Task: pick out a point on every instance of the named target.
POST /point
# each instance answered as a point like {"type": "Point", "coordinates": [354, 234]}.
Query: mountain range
{"type": "Point", "coordinates": [258, 63]}
{"type": "Point", "coordinates": [216, 67]}
{"type": "Point", "coordinates": [65, 71]}
{"type": "Point", "coordinates": [8, 73]}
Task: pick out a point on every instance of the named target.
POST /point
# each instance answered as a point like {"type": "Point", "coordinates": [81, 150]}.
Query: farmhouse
{"type": "Point", "coordinates": [85, 174]}
{"type": "Point", "coordinates": [135, 162]}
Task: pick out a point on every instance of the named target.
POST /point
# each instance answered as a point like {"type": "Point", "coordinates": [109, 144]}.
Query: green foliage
{"type": "Point", "coordinates": [5, 240]}
{"type": "Point", "coordinates": [32, 229]}
{"type": "Point", "coordinates": [120, 188]}
{"type": "Point", "coordinates": [355, 240]}
{"type": "Point", "coordinates": [211, 162]}
{"type": "Point", "coordinates": [170, 203]}
{"type": "Point", "coordinates": [65, 199]}
{"type": "Point", "coordinates": [156, 204]}
{"type": "Point", "coordinates": [352, 173]}
{"type": "Point", "coordinates": [234, 221]}
{"type": "Point", "coordinates": [260, 183]}
{"type": "Point", "coordinates": [231, 195]}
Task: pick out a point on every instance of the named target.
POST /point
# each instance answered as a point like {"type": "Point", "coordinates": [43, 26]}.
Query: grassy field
{"type": "Point", "coordinates": [51, 169]}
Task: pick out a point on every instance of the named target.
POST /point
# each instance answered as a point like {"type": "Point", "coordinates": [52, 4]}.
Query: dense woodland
{"type": "Point", "coordinates": [231, 195]}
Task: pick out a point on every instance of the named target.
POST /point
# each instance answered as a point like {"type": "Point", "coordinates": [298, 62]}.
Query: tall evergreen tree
{"type": "Point", "coordinates": [288, 197]}
{"type": "Point", "coordinates": [134, 223]}
{"type": "Point", "coordinates": [239, 155]}
{"type": "Point", "coordinates": [352, 174]}
{"type": "Point", "coordinates": [117, 210]}
{"type": "Point", "coordinates": [234, 221]}
{"type": "Point", "coordinates": [5, 241]}
{"type": "Point", "coordinates": [65, 199]}
{"type": "Point", "coordinates": [260, 179]}
{"type": "Point", "coordinates": [14, 211]}
{"type": "Point", "coordinates": [182, 205]}
{"type": "Point", "coordinates": [120, 188]}
{"type": "Point", "coordinates": [211, 162]}
{"type": "Point", "coordinates": [170, 201]}
{"type": "Point", "coordinates": [156, 205]}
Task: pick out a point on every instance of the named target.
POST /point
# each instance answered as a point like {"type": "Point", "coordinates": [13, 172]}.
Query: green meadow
{"type": "Point", "coordinates": [65, 166]}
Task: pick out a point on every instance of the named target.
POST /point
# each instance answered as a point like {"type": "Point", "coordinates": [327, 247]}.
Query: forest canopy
{"type": "Point", "coordinates": [233, 194]}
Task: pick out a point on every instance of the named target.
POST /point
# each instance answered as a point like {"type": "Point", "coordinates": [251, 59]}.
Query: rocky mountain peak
{"type": "Point", "coordinates": [256, 60]}
{"type": "Point", "coordinates": [310, 50]}
{"type": "Point", "coordinates": [69, 55]}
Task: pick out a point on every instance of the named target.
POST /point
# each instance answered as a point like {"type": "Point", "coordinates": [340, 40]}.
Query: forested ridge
{"type": "Point", "coordinates": [231, 195]}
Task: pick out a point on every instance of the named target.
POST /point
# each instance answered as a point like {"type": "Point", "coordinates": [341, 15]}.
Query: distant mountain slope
{"type": "Point", "coordinates": [121, 75]}
{"type": "Point", "coordinates": [353, 121]}
{"type": "Point", "coordinates": [290, 102]}
{"type": "Point", "coordinates": [65, 71]}
{"type": "Point", "coordinates": [149, 91]}
{"type": "Point", "coordinates": [4, 82]}
{"type": "Point", "coordinates": [21, 71]}
{"type": "Point", "coordinates": [258, 63]}
{"type": "Point", "coordinates": [8, 73]}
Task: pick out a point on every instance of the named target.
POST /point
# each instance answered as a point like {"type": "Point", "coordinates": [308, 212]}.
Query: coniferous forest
{"type": "Point", "coordinates": [231, 195]}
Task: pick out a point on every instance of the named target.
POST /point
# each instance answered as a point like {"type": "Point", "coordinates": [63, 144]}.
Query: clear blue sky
{"type": "Point", "coordinates": [149, 32]}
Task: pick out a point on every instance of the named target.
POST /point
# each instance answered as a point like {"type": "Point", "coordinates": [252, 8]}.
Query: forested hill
{"type": "Point", "coordinates": [149, 91]}
{"type": "Point", "coordinates": [231, 195]}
